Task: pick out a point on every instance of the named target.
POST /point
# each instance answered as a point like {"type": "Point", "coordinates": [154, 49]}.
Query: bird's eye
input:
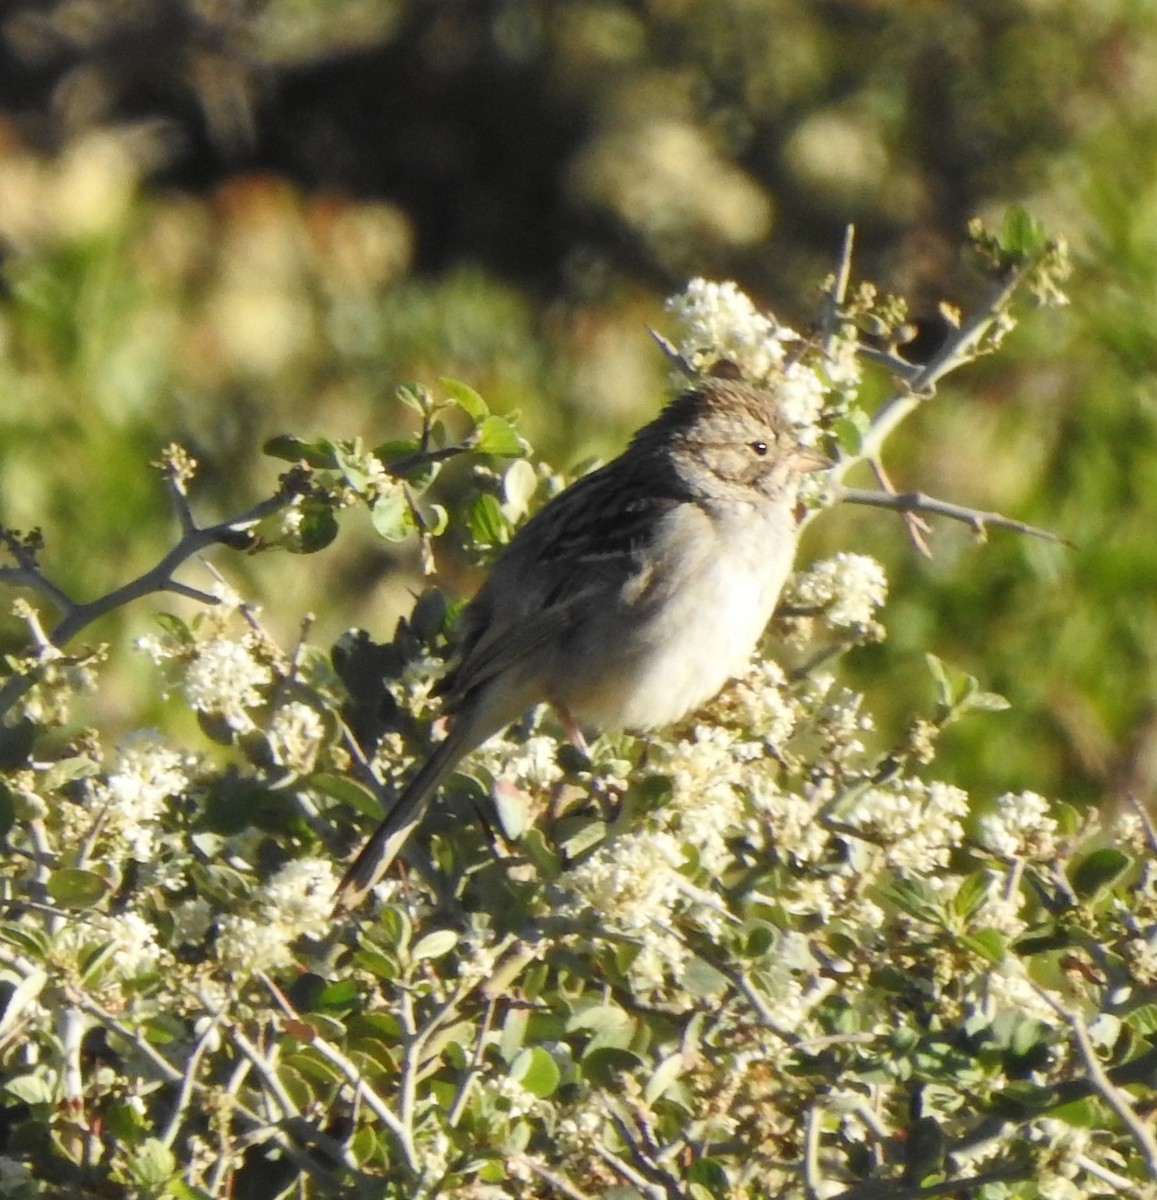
{"type": "Point", "coordinates": [760, 448]}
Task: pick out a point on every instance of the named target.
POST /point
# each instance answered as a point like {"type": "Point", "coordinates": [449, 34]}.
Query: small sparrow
{"type": "Point", "coordinates": [632, 597]}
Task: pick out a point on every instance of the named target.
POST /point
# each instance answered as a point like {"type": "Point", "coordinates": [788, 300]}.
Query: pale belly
{"type": "Point", "coordinates": [649, 666]}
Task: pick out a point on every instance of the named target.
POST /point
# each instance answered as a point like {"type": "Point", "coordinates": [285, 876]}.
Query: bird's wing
{"type": "Point", "coordinates": [576, 557]}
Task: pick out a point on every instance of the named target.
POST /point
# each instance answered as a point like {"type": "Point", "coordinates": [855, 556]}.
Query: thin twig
{"type": "Point", "coordinates": [274, 1088]}
{"type": "Point", "coordinates": [888, 1189]}
{"type": "Point", "coordinates": [834, 296]}
{"type": "Point", "coordinates": [812, 1180]}
{"type": "Point", "coordinates": [909, 502]}
{"type": "Point", "coordinates": [475, 1067]}
{"type": "Point", "coordinates": [158, 578]}
{"type": "Point", "coordinates": [353, 1075]}
{"type": "Point", "coordinates": [1113, 1096]}
{"type": "Point", "coordinates": [633, 1177]}
{"type": "Point", "coordinates": [551, 1179]}
{"type": "Point", "coordinates": [917, 526]}
{"type": "Point", "coordinates": [189, 1082]}
{"type": "Point", "coordinates": [954, 353]}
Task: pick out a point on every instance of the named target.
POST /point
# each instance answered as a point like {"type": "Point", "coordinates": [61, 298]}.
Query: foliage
{"type": "Point", "coordinates": [765, 953]}
{"type": "Point", "coordinates": [219, 222]}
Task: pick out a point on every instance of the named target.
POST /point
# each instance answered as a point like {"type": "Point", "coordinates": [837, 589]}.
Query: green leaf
{"type": "Point", "coordinates": [152, 1164]}
{"type": "Point", "coordinates": [1143, 1019]}
{"type": "Point", "coordinates": [180, 1190]}
{"type": "Point", "coordinates": [176, 629]}
{"type": "Point", "coordinates": [434, 518]}
{"type": "Point", "coordinates": [336, 997]}
{"type": "Point", "coordinates": [488, 525]}
{"type": "Point", "coordinates": [96, 961]}
{"type": "Point", "coordinates": [666, 1073]}
{"type": "Point", "coordinates": [537, 1071]}
{"type": "Point", "coordinates": [708, 1173]}
{"type": "Point", "coordinates": [391, 516]}
{"type": "Point", "coordinates": [946, 693]}
{"type": "Point", "coordinates": [436, 944]}
{"type": "Point", "coordinates": [396, 450]}
{"type": "Point", "coordinates": [1086, 1113]}
{"type": "Point", "coordinates": [67, 770]}
{"type": "Point", "coordinates": [320, 454]}
{"type": "Point", "coordinates": [317, 527]}
{"type": "Point", "coordinates": [394, 930]}
{"type": "Point", "coordinates": [28, 941]}
{"type": "Point", "coordinates": [513, 1033]}
{"type": "Point", "coordinates": [73, 887]}
{"type": "Point", "coordinates": [1098, 871]}
{"type": "Point", "coordinates": [990, 944]}
{"type": "Point", "coordinates": [1022, 234]}
{"type": "Point", "coordinates": [347, 791]}
{"type": "Point", "coordinates": [986, 702]}
{"type": "Point", "coordinates": [971, 894]}
{"type": "Point", "coordinates": [603, 1065]}
{"type": "Point", "coordinates": [496, 435]}
{"type": "Point", "coordinates": [31, 1089]}
{"type": "Point", "coordinates": [465, 397]}
{"type": "Point", "coordinates": [415, 396]}
{"type": "Point", "coordinates": [608, 1024]}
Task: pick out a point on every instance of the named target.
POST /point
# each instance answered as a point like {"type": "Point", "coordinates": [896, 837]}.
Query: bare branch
{"type": "Point", "coordinates": [911, 502]}
{"type": "Point", "coordinates": [158, 578]}
{"type": "Point", "coordinates": [1112, 1095]}
{"type": "Point", "coordinates": [919, 383]}
{"type": "Point", "coordinates": [835, 295]}
{"type": "Point", "coordinates": [917, 526]}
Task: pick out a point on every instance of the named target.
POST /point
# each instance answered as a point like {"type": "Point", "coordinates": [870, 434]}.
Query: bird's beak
{"type": "Point", "coordinates": [806, 459]}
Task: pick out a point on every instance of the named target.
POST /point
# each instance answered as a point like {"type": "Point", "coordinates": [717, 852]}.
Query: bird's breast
{"type": "Point", "coordinates": [686, 622]}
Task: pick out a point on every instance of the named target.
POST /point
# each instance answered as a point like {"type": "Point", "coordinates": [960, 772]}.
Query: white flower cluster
{"type": "Point", "coordinates": [295, 735]}
{"type": "Point", "coordinates": [919, 823]}
{"type": "Point", "coordinates": [225, 678]}
{"type": "Point", "coordinates": [368, 474]}
{"type": "Point", "coordinates": [133, 939]}
{"type": "Point", "coordinates": [1020, 827]}
{"type": "Point", "coordinates": [846, 589]}
{"type": "Point", "coordinates": [717, 320]}
{"type": "Point", "coordinates": [758, 705]}
{"type": "Point", "coordinates": [788, 821]}
{"type": "Point", "coordinates": [296, 902]}
{"type": "Point", "coordinates": [633, 883]}
{"type": "Point", "coordinates": [145, 774]}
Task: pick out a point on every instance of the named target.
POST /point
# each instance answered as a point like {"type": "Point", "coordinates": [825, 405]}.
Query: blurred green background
{"type": "Point", "coordinates": [221, 221]}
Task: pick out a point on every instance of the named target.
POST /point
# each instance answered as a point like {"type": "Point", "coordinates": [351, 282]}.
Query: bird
{"type": "Point", "coordinates": [631, 597]}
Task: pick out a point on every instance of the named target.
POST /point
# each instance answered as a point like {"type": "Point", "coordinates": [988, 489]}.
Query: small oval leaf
{"type": "Point", "coordinates": [73, 887]}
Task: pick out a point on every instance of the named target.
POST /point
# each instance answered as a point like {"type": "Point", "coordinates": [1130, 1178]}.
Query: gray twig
{"type": "Point", "coordinates": [921, 502]}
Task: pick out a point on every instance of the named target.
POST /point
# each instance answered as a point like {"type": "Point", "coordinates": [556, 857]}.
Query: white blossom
{"type": "Point", "coordinates": [245, 945]}
{"type": "Point", "coordinates": [295, 734]}
{"type": "Point", "coordinates": [919, 822]}
{"type": "Point", "coordinates": [134, 941]}
{"type": "Point", "coordinates": [225, 678]}
{"type": "Point", "coordinates": [717, 320]}
{"type": "Point", "coordinates": [145, 774]}
{"type": "Point", "coordinates": [299, 898]}
{"type": "Point", "coordinates": [1020, 827]}
{"type": "Point", "coordinates": [632, 880]}
{"type": "Point", "coordinates": [296, 902]}
{"type": "Point", "coordinates": [847, 588]}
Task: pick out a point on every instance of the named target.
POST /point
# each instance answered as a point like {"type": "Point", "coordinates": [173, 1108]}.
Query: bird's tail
{"type": "Point", "coordinates": [391, 835]}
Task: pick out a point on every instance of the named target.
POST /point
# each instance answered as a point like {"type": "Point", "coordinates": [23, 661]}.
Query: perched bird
{"type": "Point", "coordinates": [632, 597]}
